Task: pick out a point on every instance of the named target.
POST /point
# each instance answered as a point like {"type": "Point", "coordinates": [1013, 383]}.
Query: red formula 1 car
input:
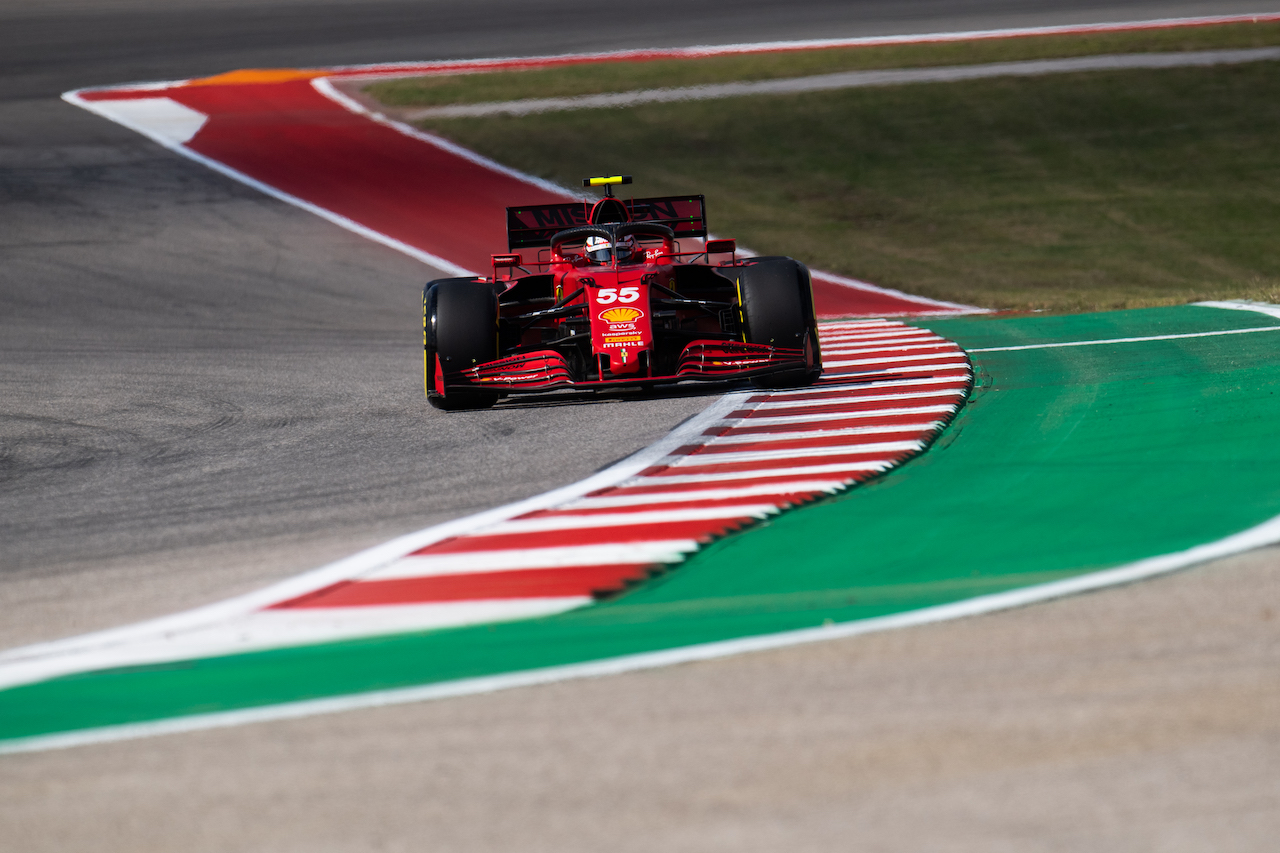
{"type": "Point", "coordinates": [611, 300]}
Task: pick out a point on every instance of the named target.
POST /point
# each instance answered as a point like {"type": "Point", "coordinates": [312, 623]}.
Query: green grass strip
{"type": "Point", "coordinates": [1065, 461]}
{"type": "Point", "coordinates": [1071, 192]}
{"type": "Point", "coordinates": [597, 77]}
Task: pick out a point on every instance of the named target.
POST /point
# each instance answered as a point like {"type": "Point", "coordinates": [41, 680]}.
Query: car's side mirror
{"type": "Point", "coordinates": [506, 262]}
{"type": "Point", "coordinates": [721, 247]}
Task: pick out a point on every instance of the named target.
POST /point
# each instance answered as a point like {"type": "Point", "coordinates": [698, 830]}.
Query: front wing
{"type": "Point", "coordinates": [544, 370]}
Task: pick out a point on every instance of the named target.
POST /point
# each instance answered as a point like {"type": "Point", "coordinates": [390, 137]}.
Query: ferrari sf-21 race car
{"type": "Point", "coordinates": [612, 300]}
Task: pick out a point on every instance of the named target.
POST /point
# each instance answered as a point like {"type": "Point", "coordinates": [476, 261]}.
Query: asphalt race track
{"type": "Point", "coordinates": [204, 389]}
{"type": "Point", "coordinates": [237, 372]}
{"type": "Point", "coordinates": [204, 383]}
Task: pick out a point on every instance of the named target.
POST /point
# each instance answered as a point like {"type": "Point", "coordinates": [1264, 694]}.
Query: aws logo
{"type": "Point", "coordinates": [621, 315]}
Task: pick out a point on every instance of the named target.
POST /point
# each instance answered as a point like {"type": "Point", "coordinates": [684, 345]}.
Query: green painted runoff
{"type": "Point", "coordinates": [1064, 461]}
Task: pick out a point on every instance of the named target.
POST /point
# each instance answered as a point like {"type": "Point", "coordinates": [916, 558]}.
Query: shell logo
{"type": "Point", "coordinates": [621, 315]}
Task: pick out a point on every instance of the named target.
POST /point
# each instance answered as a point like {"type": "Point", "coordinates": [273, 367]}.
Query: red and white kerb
{"type": "Point", "coordinates": [886, 391]}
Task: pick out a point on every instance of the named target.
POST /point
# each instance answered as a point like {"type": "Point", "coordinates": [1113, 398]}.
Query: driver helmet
{"type": "Point", "coordinates": [598, 250]}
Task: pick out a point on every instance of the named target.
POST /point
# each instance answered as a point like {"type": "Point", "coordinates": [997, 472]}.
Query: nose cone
{"type": "Point", "coordinates": [624, 362]}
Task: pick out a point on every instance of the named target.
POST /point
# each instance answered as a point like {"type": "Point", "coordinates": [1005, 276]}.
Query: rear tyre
{"type": "Point", "coordinates": [776, 300]}
{"type": "Point", "coordinates": [460, 330]}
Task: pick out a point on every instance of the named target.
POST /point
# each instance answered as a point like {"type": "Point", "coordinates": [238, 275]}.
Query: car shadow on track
{"type": "Point", "coordinates": [620, 395]}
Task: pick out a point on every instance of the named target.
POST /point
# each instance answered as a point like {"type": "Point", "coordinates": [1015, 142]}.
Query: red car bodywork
{"type": "Point", "coordinates": [663, 314]}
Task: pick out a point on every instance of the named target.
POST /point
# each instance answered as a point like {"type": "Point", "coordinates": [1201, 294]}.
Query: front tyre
{"type": "Point", "coordinates": [459, 330]}
{"type": "Point", "coordinates": [776, 300]}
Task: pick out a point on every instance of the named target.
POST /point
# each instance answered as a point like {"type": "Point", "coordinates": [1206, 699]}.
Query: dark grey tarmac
{"type": "Point", "coordinates": [188, 364]}
{"type": "Point", "coordinates": [202, 384]}
{"type": "Point", "coordinates": [195, 375]}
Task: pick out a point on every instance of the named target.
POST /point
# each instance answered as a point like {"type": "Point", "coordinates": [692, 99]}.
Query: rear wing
{"type": "Point", "coordinates": [533, 227]}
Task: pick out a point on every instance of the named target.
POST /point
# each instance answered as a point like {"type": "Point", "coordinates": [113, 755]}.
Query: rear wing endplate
{"type": "Point", "coordinates": [533, 227]}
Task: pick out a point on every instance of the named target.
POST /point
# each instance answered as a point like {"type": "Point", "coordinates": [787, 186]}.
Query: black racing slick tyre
{"type": "Point", "coordinates": [459, 330]}
{"type": "Point", "coordinates": [776, 299]}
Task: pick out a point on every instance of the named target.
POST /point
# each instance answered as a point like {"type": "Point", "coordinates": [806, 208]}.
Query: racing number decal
{"type": "Point", "coordinates": [606, 295]}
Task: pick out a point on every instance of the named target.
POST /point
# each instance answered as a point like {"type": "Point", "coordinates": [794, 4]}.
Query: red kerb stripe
{"type": "Point", "coordinates": [703, 530]}
{"type": "Point", "coordinates": [528, 583]}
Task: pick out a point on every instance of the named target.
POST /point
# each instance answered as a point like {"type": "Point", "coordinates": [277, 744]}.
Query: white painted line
{"type": "Point", "coordinates": [781, 417]}
{"type": "Point", "coordinates": [850, 80]}
{"type": "Point", "coordinates": [786, 414]}
{"type": "Point", "coordinates": [1184, 336]}
{"type": "Point", "coordinates": [162, 118]}
{"type": "Point", "coordinates": [846, 468]}
{"type": "Point", "coordinates": [839, 329]}
{"type": "Point", "coordinates": [941, 359]}
{"type": "Point", "coordinates": [1267, 533]}
{"type": "Point", "coordinates": [882, 411]}
{"type": "Point", "coordinates": [896, 341]}
{"type": "Point", "coordinates": [947, 367]}
{"type": "Point", "coordinates": [562, 521]}
{"type": "Point", "coordinates": [785, 419]}
{"type": "Point", "coordinates": [515, 559]}
{"type": "Point", "coordinates": [896, 331]}
{"type": "Point", "coordinates": [729, 458]}
{"type": "Point", "coordinates": [878, 328]}
{"type": "Point", "coordinates": [829, 391]}
{"type": "Point", "coordinates": [958, 380]}
{"type": "Point", "coordinates": [787, 408]}
{"type": "Point", "coordinates": [786, 487]}
{"type": "Point", "coordinates": [820, 432]}
{"type": "Point", "coordinates": [888, 347]}
{"type": "Point", "coordinates": [948, 374]}
{"type": "Point", "coordinates": [1243, 305]}
{"type": "Point", "coordinates": [868, 323]}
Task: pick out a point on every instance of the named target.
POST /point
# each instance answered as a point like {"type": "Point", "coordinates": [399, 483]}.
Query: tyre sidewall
{"type": "Point", "coordinates": [460, 330]}
{"type": "Point", "coordinates": [776, 302]}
